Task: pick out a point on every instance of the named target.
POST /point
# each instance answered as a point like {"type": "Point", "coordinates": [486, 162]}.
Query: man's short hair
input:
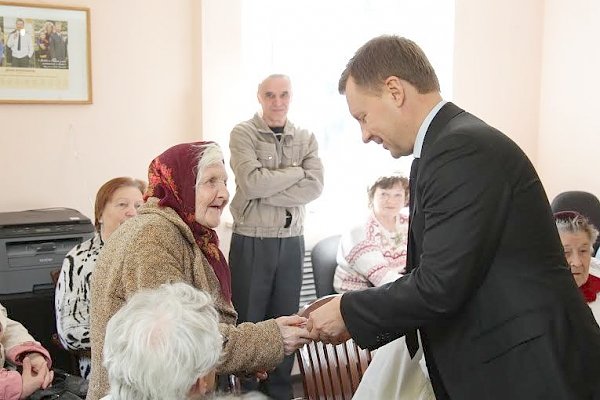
{"type": "Point", "coordinates": [161, 342]}
{"type": "Point", "coordinates": [386, 56]}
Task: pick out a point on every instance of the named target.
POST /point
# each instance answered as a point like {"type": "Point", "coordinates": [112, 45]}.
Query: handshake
{"type": "Point", "coordinates": [324, 324]}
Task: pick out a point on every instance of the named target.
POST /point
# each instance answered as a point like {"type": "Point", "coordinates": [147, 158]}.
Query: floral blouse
{"type": "Point", "coordinates": [370, 255]}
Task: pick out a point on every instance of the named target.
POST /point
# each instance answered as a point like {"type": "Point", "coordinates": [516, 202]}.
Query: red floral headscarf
{"type": "Point", "coordinates": [172, 179]}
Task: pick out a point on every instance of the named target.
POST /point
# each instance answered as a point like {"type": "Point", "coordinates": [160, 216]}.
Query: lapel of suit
{"type": "Point", "coordinates": [416, 222]}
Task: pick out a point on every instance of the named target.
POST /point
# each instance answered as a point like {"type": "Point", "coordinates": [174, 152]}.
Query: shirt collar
{"type": "Point", "coordinates": [423, 129]}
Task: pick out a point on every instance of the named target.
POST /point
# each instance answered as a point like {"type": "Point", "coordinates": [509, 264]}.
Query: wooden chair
{"type": "Point", "coordinates": [328, 371]}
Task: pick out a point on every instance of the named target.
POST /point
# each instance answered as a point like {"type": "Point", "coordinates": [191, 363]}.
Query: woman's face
{"type": "Point", "coordinates": [122, 205]}
{"type": "Point", "coordinates": [211, 196]}
{"type": "Point", "coordinates": [578, 250]}
{"type": "Point", "coordinates": [388, 202]}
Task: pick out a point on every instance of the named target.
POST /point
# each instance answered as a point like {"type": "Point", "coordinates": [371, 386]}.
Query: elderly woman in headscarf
{"type": "Point", "coordinates": [173, 239]}
{"type": "Point", "coordinates": [578, 236]}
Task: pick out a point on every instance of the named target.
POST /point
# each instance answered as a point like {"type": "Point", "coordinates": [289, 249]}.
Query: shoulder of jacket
{"type": "Point", "coordinates": [244, 131]}
{"type": "Point", "coordinates": [298, 131]}
{"type": "Point", "coordinates": [253, 125]}
{"type": "Point", "coordinates": [163, 221]}
{"type": "Point", "coordinates": [304, 134]}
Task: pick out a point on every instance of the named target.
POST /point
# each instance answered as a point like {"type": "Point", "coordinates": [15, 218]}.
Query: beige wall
{"type": "Point", "coordinates": [569, 138]}
{"type": "Point", "coordinates": [146, 87]}
{"type": "Point", "coordinates": [530, 68]}
{"type": "Point", "coordinates": [497, 62]}
{"type": "Point", "coordinates": [518, 65]}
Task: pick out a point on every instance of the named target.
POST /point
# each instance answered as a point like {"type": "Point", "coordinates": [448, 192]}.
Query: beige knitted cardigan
{"type": "Point", "coordinates": [158, 247]}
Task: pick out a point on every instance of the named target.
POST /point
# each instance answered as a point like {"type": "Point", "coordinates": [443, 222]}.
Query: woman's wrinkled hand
{"type": "Point", "coordinates": [34, 379]}
{"type": "Point", "coordinates": [294, 333]}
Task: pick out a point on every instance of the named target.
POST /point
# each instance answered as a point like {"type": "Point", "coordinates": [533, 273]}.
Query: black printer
{"type": "Point", "coordinates": [35, 242]}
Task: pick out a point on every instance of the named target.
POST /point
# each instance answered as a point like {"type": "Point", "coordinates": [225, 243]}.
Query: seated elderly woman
{"type": "Point", "coordinates": [19, 348]}
{"type": "Point", "coordinates": [116, 201]}
{"type": "Point", "coordinates": [374, 253]}
{"type": "Point", "coordinates": [173, 240]}
{"type": "Point", "coordinates": [170, 331]}
{"type": "Point", "coordinates": [578, 236]}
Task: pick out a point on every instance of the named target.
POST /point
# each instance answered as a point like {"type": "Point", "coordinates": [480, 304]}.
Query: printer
{"type": "Point", "coordinates": [35, 242]}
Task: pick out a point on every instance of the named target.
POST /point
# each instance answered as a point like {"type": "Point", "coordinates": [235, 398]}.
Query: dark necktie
{"type": "Point", "coordinates": [19, 41]}
{"type": "Point", "coordinates": [414, 168]}
{"type": "Point", "coordinates": [412, 186]}
{"type": "Point", "coordinates": [412, 342]}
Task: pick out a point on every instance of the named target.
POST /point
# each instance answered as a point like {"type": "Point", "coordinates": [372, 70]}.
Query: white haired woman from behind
{"type": "Point", "coordinates": [163, 344]}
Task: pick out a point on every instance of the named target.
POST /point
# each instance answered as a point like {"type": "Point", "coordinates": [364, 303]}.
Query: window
{"type": "Point", "coordinates": [311, 41]}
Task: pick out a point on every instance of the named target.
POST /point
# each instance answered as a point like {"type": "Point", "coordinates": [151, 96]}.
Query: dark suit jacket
{"type": "Point", "coordinates": [499, 312]}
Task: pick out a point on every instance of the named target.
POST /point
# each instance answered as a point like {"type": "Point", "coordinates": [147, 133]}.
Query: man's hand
{"type": "Point", "coordinates": [293, 332]}
{"type": "Point", "coordinates": [34, 380]}
{"type": "Point", "coordinates": [326, 323]}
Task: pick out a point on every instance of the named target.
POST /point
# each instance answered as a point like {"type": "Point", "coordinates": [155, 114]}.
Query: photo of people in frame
{"type": "Point", "coordinates": [51, 50]}
{"type": "Point", "coordinates": [46, 55]}
{"type": "Point", "coordinates": [19, 43]}
{"type": "Point", "coordinates": [33, 43]}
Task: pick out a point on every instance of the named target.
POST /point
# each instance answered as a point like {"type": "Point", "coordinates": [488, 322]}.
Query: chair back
{"type": "Point", "coordinates": [323, 259]}
{"type": "Point", "coordinates": [328, 371]}
{"type": "Point", "coordinates": [584, 203]}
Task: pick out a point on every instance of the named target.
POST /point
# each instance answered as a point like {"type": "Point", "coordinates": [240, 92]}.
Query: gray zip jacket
{"type": "Point", "coordinates": [272, 176]}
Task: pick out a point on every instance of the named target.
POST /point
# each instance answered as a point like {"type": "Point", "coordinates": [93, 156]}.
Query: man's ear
{"type": "Point", "coordinates": [395, 88]}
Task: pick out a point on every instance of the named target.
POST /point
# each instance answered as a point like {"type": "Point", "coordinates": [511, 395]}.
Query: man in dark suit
{"type": "Point", "coordinates": [498, 312]}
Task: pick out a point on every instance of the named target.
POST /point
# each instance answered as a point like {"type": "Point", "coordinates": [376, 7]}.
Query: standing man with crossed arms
{"type": "Point", "coordinates": [277, 172]}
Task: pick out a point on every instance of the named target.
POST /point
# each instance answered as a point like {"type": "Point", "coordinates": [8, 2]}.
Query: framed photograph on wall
{"type": "Point", "coordinates": [45, 54]}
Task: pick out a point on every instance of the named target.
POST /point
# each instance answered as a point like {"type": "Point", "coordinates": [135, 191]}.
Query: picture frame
{"type": "Point", "coordinates": [45, 54]}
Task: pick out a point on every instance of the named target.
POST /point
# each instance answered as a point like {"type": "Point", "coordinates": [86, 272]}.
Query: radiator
{"type": "Point", "coordinates": [308, 293]}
